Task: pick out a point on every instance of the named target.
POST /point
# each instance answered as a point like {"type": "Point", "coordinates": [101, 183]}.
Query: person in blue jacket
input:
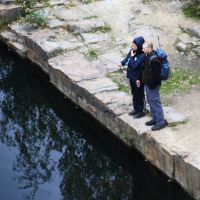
{"type": "Point", "coordinates": [136, 59]}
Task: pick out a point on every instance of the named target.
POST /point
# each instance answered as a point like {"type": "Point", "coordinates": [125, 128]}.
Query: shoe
{"type": "Point", "coordinates": [133, 112]}
{"type": "Point", "coordinates": [150, 123]}
{"type": "Point", "coordinates": [156, 127]}
{"type": "Point", "coordinates": [139, 115]}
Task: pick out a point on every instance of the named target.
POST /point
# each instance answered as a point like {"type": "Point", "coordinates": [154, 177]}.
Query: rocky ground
{"type": "Point", "coordinates": [86, 41]}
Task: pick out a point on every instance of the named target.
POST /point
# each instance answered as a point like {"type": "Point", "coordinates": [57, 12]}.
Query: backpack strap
{"type": "Point", "coordinates": [151, 58]}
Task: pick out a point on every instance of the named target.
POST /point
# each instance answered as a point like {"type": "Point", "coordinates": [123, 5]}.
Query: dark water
{"type": "Point", "coordinates": [51, 150]}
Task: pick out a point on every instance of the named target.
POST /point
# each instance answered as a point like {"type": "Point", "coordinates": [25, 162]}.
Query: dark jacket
{"type": "Point", "coordinates": [152, 70]}
{"type": "Point", "coordinates": [136, 63]}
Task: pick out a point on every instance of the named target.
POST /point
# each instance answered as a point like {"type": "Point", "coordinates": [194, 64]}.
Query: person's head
{"type": "Point", "coordinates": [147, 47]}
{"type": "Point", "coordinates": [134, 47]}
{"type": "Point", "coordinates": [137, 44]}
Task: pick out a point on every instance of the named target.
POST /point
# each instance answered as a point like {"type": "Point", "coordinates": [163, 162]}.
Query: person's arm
{"type": "Point", "coordinates": [123, 62]}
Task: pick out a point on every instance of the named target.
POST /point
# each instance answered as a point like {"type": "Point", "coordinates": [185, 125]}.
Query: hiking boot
{"type": "Point", "coordinates": [150, 123]}
{"type": "Point", "coordinates": [133, 112]}
{"type": "Point", "coordinates": [139, 115]}
{"type": "Point", "coordinates": [156, 127]}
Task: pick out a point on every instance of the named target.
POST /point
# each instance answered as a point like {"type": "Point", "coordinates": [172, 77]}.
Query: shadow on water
{"type": "Point", "coordinates": [51, 149]}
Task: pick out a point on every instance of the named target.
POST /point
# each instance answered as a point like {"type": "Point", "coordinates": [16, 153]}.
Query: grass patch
{"type": "Point", "coordinates": [87, 1]}
{"type": "Point", "coordinates": [34, 17]}
{"type": "Point", "coordinates": [91, 17]}
{"type": "Point", "coordinates": [192, 9]}
{"type": "Point", "coordinates": [181, 80]}
{"type": "Point", "coordinates": [174, 124]}
{"type": "Point", "coordinates": [93, 54]}
{"type": "Point", "coordinates": [146, 1]}
{"type": "Point", "coordinates": [125, 137]}
{"type": "Point", "coordinates": [3, 25]}
{"type": "Point", "coordinates": [120, 79]}
{"type": "Point", "coordinates": [71, 4]}
{"type": "Point", "coordinates": [103, 29]}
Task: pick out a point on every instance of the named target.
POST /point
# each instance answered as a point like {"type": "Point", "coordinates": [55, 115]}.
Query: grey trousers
{"type": "Point", "coordinates": [153, 99]}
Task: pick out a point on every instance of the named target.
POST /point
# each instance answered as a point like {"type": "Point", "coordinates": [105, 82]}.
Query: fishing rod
{"type": "Point", "coordinates": [120, 69]}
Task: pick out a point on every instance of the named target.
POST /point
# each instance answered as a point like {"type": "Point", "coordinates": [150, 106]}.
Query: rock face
{"type": "Point", "coordinates": [188, 43]}
{"type": "Point", "coordinates": [10, 12]}
{"type": "Point", "coordinates": [64, 51]}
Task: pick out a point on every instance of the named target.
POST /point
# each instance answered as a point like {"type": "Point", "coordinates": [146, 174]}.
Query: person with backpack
{"type": "Point", "coordinates": [135, 61]}
{"type": "Point", "coordinates": [151, 77]}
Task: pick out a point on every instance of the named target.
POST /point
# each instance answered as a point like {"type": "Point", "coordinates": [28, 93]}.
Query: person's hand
{"type": "Point", "coordinates": [132, 53]}
{"type": "Point", "coordinates": [138, 83]}
{"type": "Point", "coordinates": [120, 65]}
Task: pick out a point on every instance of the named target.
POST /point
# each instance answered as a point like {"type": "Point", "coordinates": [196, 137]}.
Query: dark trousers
{"type": "Point", "coordinates": [138, 96]}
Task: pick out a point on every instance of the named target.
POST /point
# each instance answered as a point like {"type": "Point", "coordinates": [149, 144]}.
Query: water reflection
{"type": "Point", "coordinates": [44, 157]}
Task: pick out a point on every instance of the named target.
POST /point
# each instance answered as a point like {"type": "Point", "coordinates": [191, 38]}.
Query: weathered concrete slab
{"type": "Point", "coordinates": [193, 31]}
{"type": "Point", "coordinates": [76, 69]}
{"type": "Point", "coordinates": [73, 14]}
{"type": "Point", "coordinates": [118, 102]}
{"type": "Point", "coordinates": [13, 42]}
{"type": "Point", "coordinates": [86, 25]}
{"type": "Point", "coordinates": [94, 38]}
{"type": "Point", "coordinates": [7, 1]}
{"type": "Point", "coordinates": [172, 116]}
{"type": "Point", "coordinates": [98, 85]}
{"type": "Point", "coordinates": [10, 12]}
{"type": "Point", "coordinates": [45, 43]}
{"type": "Point", "coordinates": [55, 23]}
{"type": "Point", "coordinates": [109, 62]}
{"type": "Point", "coordinates": [57, 2]}
{"type": "Point", "coordinates": [187, 172]}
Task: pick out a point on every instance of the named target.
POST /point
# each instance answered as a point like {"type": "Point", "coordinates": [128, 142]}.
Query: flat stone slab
{"type": "Point", "coordinates": [118, 102]}
{"type": "Point", "coordinates": [109, 61]}
{"type": "Point", "coordinates": [55, 23]}
{"type": "Point", "coordinates": [46, 43]}
{"type": "Point", "coordinates": [57, 2]}
{"type": "Point", "coordinates": [10, 12]}
{"type": "Point", "coordinates": [172, 116]}
{"type": "Point", "coordinates": [13, 42]}
{"type": "Point", "coordinates": [86, 25]}
{"type": "Point", "coordinates": [98, 85]}
{"type": "Point", "coordinates": [7, 1]}
{"type": "Point", "coordinates": [75, 66]}
{"type": "Point", "coordinates": [73, 14]}
{"type": "Point", "coordinates": [89, 38]}
{"type": "Point", "coordinates": [193, 31]}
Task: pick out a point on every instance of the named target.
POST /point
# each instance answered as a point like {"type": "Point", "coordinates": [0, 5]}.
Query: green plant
{"type": "Point", "coordinates": [192, 9]}
{"type": "Point", "coordinates": [33, 15]}
{"type": "Point", "coordinates": [125, 137]}
{"type": "Point", "coordinates": [119, 78]}
{"type": "Point", "coordinates": [180, 80]}
{"type": "Point", "coordinates": [174, 124]}
{"type": "Point", "coordinates": [3, 25]}
{"type": "Point", "coordinates": [36, 18]}
{"type": "Point", "coordinates": [87, 1]}
{"type": "Point", "coordinates": [91, 17]}
{"type": "Point", "coordinates": [93, 54]}
{"type": "Point", "coordinates": [102, 29]}
{"type": "Point", "coordinates": [70, 4]}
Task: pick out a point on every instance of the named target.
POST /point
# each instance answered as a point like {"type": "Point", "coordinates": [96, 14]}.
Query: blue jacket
{"type": "Point", "coordinates": [135, 63]}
